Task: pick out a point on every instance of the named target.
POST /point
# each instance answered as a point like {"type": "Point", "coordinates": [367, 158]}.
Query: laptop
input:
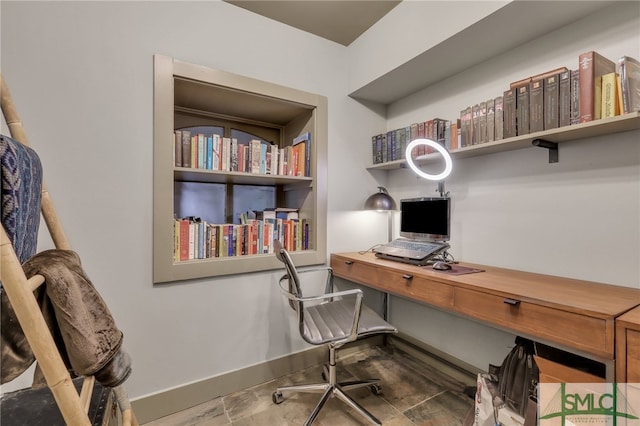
{"type": "Point", "coordinates": [424, 231]}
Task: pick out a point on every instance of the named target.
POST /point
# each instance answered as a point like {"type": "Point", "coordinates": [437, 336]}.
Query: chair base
{"type": "Point", "coordinates": [331, 389]}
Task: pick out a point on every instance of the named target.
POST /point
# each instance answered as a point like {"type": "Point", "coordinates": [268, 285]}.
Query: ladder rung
{"type": "Point", "coordinates": [35, 282]}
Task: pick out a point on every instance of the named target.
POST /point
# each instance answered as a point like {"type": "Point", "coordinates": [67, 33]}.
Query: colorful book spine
{"type": "Point", "coordinates": [609, 104]}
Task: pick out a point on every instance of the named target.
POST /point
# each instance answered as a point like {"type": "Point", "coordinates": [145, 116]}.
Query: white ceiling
{"type": "Point", "coordinates": [341, 21]}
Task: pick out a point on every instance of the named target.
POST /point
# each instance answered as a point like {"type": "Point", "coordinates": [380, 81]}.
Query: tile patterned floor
{"type": "Point", "coordinates": [413, 393]}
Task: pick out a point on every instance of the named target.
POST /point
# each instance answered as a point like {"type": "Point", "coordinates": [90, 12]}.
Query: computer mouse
{"type": "Point", "coordinates": [441, 266]}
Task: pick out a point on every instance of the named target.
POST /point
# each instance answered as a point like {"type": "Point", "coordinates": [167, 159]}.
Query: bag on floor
{"type": "Point", "coordinates": [518, 376]}
{"type": "Point", "coordinates": [487, 389]}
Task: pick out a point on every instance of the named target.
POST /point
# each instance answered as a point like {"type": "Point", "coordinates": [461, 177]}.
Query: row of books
{"type": "Point", "coordinates": [598, 88]}
{"type": "Point", "coordinates": [391, 146]}
{"type": "Point", "coordinates": [214, 152]}
{"type": "Point", "coordinates": [196, 239]}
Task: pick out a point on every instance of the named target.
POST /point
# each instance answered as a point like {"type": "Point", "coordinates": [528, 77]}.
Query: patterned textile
{"type": "Point", "coordinates": [20, 196]}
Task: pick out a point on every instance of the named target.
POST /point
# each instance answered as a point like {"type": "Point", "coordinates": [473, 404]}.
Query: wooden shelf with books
{"type": "Point", "coordinates": [617, 124]}
{"type": "Point", "coordinates": [214, 194]}
{"type": "Point", "coordinates": [214, 176]}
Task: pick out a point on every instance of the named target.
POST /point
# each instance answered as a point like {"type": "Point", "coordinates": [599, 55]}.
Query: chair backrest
{"type": "Point", "coordinates": [292, 276]}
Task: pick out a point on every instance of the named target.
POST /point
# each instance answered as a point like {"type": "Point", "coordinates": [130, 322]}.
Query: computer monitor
{"type": "Point", "coordinates": [425, 219]}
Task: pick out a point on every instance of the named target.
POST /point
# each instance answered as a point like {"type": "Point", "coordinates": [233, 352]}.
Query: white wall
{"type": "Point", "coordinates": [81, 76]}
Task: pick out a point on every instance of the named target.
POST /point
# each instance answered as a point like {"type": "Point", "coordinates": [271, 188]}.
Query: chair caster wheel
{"type": "Point", "coordinates": [376, 389]}
{"type": "Point", "coordinates": [325, 373]}
{"type": "Point", "coordinates": [277, 397]}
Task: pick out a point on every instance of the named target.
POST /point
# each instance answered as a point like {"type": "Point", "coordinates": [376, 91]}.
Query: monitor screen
{"type": "Point", "coordinates": [425, 218]}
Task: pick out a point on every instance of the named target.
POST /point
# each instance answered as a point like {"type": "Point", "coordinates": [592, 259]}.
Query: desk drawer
{"type": "Point", "coordinates": [591, 334]}
{"type": "Point", "coordinates": [392, 281]}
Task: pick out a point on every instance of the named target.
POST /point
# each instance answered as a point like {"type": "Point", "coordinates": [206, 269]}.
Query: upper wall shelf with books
{"type": "Point", "coordinates": [620, 123]}
{"type": "Point", "coordinates": [442, 59]}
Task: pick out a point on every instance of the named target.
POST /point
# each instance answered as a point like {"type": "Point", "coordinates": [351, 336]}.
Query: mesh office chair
{"type": "Point", "coordinates": [332, 319]}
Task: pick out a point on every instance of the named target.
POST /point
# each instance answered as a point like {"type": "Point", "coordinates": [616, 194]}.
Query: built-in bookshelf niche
{"type": "Point", "coordinates": [194, 98]}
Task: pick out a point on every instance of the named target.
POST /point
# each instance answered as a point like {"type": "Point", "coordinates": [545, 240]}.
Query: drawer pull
{"type": "Point", "coordinates": [407, 277]}
{"type": "Point", "coordinates": [512, 302]}
{"type": "Point", "coordinates": [348, 262]}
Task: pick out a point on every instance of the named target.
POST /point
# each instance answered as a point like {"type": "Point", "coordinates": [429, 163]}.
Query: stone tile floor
{"type": "Point", "coordinates": [414, 392]}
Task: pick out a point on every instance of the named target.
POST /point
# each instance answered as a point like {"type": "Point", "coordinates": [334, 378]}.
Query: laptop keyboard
{"type": "Point", "coordinates": [421, 246]}
{"type": "Point", "coordinates": [414, 251]}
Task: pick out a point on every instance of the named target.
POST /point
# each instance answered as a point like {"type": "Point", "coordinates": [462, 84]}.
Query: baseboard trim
{"type": "Point", "coordinates": [452, 366]}
{"type": "Point", "coordinates": [171, 401]}
{"type": "Point", "coordinates": [164, 403]}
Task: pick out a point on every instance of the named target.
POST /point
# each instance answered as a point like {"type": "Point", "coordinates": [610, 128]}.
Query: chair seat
{"type": "Point", "coordinates": [332, 321]}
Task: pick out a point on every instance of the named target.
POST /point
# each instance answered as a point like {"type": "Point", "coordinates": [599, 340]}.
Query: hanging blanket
{"type": "Point", "coordinates": [78, 318]}
{"type": "Point", "coordinates": [21, 195]}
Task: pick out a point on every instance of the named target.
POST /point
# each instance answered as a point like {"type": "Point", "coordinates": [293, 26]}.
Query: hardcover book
{"type": "Point", "coordinates": [499, 117]}
{"type": "Point", "coordinates": [592, 66]}
{"type": "Point", "coordinates": [551, 99]}
{"type": "Point", "coordinates": [186, 148]}
{"type": "Point", "coordinates": [439, 128]}
{"type": "Point", "coordinates": [564, 99]}
{"type": "Point", "coordinates": [414, 131]}
{"type": "Point", "coordinates": [575, 97]}
{"type": "Point", "coordinates": [509, 113]}
{"type": "Point", "coordinates": [374, 156]}
{"type": "Point", "coordinates": [536, 105]}
{"type": "Point", "coordinates": [491, 123]}
{"type": "Point", "coordinates": [482, 122]}
{"type": "Point", "coordinates": [407, 139]}
{"type": "Point", "coordinates": [475, 124]}
{"type": "Point", "coordinates": [177, 148]}
{"type": "Point", "coordinates": [464, 127]}
{"type": "Point", "coordinates": [455, 134]}
{"type": "Point", "coordinates": [391, 145]}
{"type": "Point", "coordinates": [609, 105]}
{"type": "Point", "coordinates": [202, 154]}
{"type": "Point", "coordinates": [522, 110]}
{"type": "Point", "coordinates": [421, 149]}
{"type": "Point", "coordinates": [255, 151]}
{"type": "Point", "coordinates": [629, 71]}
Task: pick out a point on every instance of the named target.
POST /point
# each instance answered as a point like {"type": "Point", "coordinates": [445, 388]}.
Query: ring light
{"type": "Point", "coordinates": [448, 166]}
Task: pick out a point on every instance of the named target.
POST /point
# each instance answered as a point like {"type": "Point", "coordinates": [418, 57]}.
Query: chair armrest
{"type": "Point", "coordinates": [353, 334]}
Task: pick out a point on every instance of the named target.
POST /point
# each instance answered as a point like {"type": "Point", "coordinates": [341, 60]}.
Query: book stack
{"type": "Point", "coordinates": [391, 146]}
{"type": "Point", "coordinates": [196, 239]}
{"type": "Point", "coordinates": [215, 152]}
{"type": "Point", "coordinates": [597, 88]}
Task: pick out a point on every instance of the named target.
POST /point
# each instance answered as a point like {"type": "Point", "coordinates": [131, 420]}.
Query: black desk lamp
{"type": "Point", "coordinates": [382, 201]}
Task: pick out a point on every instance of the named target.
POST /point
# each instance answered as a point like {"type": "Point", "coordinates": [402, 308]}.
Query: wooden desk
{"type": "Point", "coordinates": [571, 314]}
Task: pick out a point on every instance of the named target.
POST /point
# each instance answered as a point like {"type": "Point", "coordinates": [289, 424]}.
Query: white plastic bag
{"type": "Point", "coordinates": [484, 414]}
